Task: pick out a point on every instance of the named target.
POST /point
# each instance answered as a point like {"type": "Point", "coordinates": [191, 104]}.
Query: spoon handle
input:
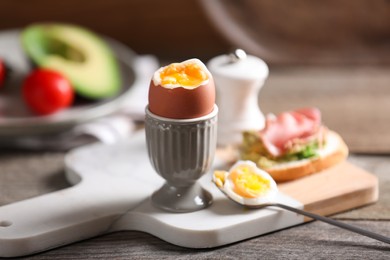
{"type": "Point", "coordinates": [335, 223]}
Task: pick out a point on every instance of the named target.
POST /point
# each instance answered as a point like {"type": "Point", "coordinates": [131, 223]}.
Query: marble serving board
{"type": "Point", "coordinates": [111, 192]}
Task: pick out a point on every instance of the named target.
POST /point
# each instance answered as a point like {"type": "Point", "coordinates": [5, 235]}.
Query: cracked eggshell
{"type": "Point", "coordinates": [182, 102]}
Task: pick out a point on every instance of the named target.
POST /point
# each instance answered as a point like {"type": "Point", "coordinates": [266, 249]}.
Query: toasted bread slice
{"type": "Point", "coordinates": [333, 152]}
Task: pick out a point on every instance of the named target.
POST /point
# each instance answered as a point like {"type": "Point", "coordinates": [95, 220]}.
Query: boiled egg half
{"type": "Point", "coordinates": [246, 184]}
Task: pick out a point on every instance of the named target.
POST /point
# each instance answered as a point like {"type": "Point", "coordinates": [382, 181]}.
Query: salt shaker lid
{"type": "Point", "coordinates": [239, 65]}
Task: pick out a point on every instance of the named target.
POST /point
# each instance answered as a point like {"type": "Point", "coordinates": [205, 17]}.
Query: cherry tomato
{"type": "Point", "coordinates": [2, 73]}
{"type": "Point", "coordinates": [46, 91]}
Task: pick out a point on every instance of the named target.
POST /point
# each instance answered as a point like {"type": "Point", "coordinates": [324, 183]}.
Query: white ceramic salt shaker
{"type": "Point", "coordinates": [238, 79]}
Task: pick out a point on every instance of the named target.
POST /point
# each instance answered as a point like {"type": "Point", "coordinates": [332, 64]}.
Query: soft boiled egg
{"type": "Point", "coordinates": [246, 184]}
{"type": "Point", "coordinates": [182, 90]}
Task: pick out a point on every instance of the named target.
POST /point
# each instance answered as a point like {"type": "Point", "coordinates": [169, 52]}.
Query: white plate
{"type": "Point", "coordinates": [15, 118]}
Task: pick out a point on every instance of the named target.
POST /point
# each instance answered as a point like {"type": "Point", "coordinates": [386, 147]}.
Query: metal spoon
{"type": "Point", "coordinates": [318, 217]}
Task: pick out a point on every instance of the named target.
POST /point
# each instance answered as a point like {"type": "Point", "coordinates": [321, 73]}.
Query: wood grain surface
{"type": "Point", "coordinates": [304, 31]}
{"type": "Point", "coordinates": [168, 29]}
{"type": "Point", "coordinates": [351, 99]}
{"type": "Point", "coordinates": [299, 31]}
{"type": "Point", "coordinates": [25, 175]}
{"type": "Point", "coordinates": [339, 188]}
{"type": "Point", "coordinates": [354, 101]}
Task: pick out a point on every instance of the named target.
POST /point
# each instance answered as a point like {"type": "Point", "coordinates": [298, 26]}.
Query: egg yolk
{"type": "Point", "coordinates": [187, 74]}
{"type": "Point", "coordinates": [219, 177]}
{"type": "Point", "coordinates": [247, 183]}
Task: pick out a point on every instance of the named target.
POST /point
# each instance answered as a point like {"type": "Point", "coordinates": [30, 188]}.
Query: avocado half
{"type": "Point", "coordinates": [79, 54]}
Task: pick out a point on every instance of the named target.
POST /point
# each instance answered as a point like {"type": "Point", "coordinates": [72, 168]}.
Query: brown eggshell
{"type": "Point", "coordinates": [181, 103]}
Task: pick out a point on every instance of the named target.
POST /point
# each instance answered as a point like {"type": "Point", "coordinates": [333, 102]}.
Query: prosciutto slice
{"type": "Point", "coordinates": [288, 127]}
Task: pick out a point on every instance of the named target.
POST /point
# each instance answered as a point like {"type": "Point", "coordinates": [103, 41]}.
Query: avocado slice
{"type": "Point", "coordinates": [79, 54]}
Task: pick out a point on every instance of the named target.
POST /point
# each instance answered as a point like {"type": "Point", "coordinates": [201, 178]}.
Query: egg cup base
{"type": "Point", "coordinates": [181, 199]}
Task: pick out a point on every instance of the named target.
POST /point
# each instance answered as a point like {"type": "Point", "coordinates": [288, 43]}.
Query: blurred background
{"type": "Point", "coordinates": [332, 54]}
{"type": "Point", "coordinates": [169, 29]}
{"type": "Point", "coordinates": [281, 32]}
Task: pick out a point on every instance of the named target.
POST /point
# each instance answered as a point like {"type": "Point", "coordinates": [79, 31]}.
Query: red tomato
{"type": "Point", "coordinates": [2, 73]}
{"type": "Point", "coordinates": [47, 91]}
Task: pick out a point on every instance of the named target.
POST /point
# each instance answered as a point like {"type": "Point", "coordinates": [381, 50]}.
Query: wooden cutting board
{"type": "Point", "coordinates": [340, 188]}
{"type": "Point", "coordinates": [111, 192]}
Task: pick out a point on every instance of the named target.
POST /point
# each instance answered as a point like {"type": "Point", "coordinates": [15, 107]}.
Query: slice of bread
{"type": "Point", "coordinates": [334, 151]}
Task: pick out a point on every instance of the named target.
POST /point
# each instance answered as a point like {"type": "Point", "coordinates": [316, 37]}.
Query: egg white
{"type": "Point", "coordinates": [266, 197]}
{"type": "Point", "coordinates": [157, 76]}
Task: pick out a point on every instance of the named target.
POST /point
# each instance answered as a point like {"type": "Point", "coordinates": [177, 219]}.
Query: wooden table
{"type": "Point", "coordinates": [354, 101]}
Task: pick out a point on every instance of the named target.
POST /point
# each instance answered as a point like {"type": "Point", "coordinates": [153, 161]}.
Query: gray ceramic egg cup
{"type": "Point", "coordinates": [181, 151]}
